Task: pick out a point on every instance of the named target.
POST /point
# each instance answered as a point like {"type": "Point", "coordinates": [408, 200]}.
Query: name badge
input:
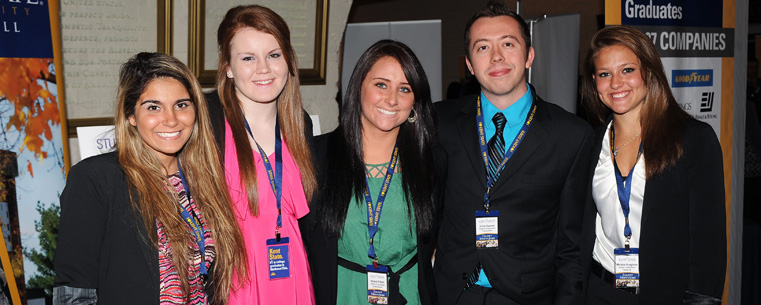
{"type": "Point", "coordinates": [487, 229]}
{"type": "Point", "coordinates": [377, 284]}
{"type": "Point", "coordinates": [277, 253]}
{"type": "Point", "coordinates": [627, 267]}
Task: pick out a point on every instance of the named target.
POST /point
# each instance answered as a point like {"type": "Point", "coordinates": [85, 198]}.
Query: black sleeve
{"type": "Point", "coordinates": [84, 211]}
{"type": "Point", "coordinates": [707, 218]}
{"type": "Point", "coordinates": [305, 223]}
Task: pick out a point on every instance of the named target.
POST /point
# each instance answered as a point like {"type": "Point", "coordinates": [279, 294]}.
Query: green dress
{"type": "Point", "coordinates": [395, 242]}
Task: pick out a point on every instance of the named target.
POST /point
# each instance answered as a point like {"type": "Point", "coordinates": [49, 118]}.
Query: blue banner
{"type": "Point", "coordinates": [21, 23]}
{"type": "Point", "coordinates": [684, 13]}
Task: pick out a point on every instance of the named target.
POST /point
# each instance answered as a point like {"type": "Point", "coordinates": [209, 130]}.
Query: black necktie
{"type": "Point", "coordinates": [496, 145]}
{"type": "Point", "coordinates": [496, 150]}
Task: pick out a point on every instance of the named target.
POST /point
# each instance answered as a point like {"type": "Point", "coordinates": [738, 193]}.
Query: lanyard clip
{"type": "Point", "coordinates": [375, 262]}
{"type": "Point", "coordinates": [277, 234]}
{"type": "Point", "coordinates": [626, 244]}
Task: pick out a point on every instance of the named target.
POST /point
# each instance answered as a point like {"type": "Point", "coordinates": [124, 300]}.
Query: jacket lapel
{"type": "Point", "coordinates": [467, 129]}
{"type": "Point", "coordinates": [535, 136]}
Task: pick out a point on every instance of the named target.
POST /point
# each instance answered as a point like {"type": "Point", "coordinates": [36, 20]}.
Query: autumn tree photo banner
{"type": "Point", "coordinates": [32, 117]}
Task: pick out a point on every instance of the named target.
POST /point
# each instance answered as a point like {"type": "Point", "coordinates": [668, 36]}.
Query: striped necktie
{"type": "Point", "coordinates": [496, 145]}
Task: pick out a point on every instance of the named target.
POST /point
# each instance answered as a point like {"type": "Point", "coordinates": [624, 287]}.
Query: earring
{"type": "Point", "coordinates": [413, 118]}
{"type": "Point", "coordinates": [229, 74]}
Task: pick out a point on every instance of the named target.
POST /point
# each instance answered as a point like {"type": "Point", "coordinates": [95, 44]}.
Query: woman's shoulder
{"type": "Point", "coordinates": [102, 169]}
{"type": "Point", "coordinates": [697, 125]}
{"type": "Point", "coordinates": [700, 141]}
{"type": "Point", "coordinates": [698, 131]}
{"type": "Point", "coordinates": [108, 161]}
{"type": "Point", "coordinates": [328, 143]}
{"type": "Point", "coordinates": [98, 178]}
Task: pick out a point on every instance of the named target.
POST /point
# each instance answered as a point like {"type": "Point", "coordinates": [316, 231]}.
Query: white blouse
{"type": "Point", "coordinates": [610, 216]}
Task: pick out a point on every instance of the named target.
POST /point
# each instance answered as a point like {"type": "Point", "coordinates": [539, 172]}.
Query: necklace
{"type": "Point", "coordinates": [615, 150]}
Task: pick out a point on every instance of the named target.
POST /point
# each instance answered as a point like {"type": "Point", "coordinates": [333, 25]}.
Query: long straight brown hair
{"type": "Point", "coordinates": [661, 118]}
{"type": "Point", "coordinates": [289, 105]}
{"type": "Point", "coordinates": [152, 195]}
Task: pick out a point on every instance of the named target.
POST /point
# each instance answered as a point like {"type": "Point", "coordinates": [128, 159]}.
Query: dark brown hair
{"type": "Point", "coordinates": [497, 9]}
{"type": "Point", "coordinates": [661, 118]}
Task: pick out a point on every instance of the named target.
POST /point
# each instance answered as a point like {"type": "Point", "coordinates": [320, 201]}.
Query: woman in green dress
{"type": "Point", "coordinates": [368, 246]}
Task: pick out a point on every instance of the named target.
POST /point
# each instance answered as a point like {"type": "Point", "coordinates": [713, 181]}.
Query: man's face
{"type": "Point", "coordinates": [498, 58]}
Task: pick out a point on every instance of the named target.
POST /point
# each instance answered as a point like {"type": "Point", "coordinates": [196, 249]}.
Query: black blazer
{"type": "Point", "coordinates": [102, 242]}
{"type": "Point", "coordinates": [683, 235]}
{"type": "Point", "coordinates": [540, 196]}
{"type": "Point", "coordinates": [323, 248]}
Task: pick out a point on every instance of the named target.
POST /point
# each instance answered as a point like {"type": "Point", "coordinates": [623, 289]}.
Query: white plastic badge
{"type": "Point", "coordinates": [377, 284]}
{"type": "Point", "coordinates": [627, 267]}
{"type": "Point", "coordinates": [487, 229]}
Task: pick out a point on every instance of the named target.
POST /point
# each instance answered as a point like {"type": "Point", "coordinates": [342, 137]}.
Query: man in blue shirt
{"type": "Point", "coordinates": [518, 171]}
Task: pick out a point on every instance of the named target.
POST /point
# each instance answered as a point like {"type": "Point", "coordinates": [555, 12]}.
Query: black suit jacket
{"type": "Point", "coordinates": [540, 196]}
{"type": "Point", "coordinates": [102, 242]}
{"type": "Point", "coordinates": [323, 247]}
{"type": "Point", "coordinates": [683, 235]}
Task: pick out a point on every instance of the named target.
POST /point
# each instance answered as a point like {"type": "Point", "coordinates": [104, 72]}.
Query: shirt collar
{"type": "Point", "coordinates": [515, 114]}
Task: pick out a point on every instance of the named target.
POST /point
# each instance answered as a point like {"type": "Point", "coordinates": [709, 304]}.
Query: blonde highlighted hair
{"type": "Point", "coordinates": [201, 166]}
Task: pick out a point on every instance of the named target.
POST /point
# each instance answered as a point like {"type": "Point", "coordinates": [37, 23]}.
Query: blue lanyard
{"type": "Point", "coordinates": [508, 153]}
{"type": "Point", "coordinates": [373, 217]}
{"type": "Point", "coordinates": [193, 221]}
{"type": "Point", "coordinates": [624, 186]}
{"type": "Point", "coordinates": [275, 176]}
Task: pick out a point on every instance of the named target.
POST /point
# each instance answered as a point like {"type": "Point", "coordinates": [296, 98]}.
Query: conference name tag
{"type": "Point", "coordinates": [487, 229]}
{"type": "Point", "coordinates": [277, 254]}
{"type": "Point", "coordinates": [377, 284]}
{"type": "Point", "coordinates": [627, 267]}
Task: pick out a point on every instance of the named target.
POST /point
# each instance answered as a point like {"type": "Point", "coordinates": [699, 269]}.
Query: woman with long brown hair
{"type": "Point", "coordinates": [264, 133]}
{"type": "Point", "coordinates": [654, 226]}
{"type": "Point", "coordinates": [150, 223]}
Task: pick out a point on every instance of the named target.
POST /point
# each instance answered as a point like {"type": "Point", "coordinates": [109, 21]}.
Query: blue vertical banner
{"type": "Point", "coordinates": [32, 123]}
{"type": "Point", "coordinates": [25, 29]}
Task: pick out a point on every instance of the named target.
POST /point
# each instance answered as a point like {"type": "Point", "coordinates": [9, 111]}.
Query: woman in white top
{"type": "Point", "coordinates": [654, 227]}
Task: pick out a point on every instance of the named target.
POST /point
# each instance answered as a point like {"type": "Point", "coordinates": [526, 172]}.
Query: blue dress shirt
{"type": "Point", "coordinates": [516, 115]}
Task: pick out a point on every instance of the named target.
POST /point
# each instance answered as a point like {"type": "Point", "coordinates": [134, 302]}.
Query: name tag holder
{"type": "Point", "coordinates": [487, 229]}
{"type": "Point", "coordinates": [277, 255]}
{"type": "Point", "coordinates": [487, 221]}
{"type": "Point", "coordinates": [377, 284]}
{"type": "Point", "coordinates": [627, 268]}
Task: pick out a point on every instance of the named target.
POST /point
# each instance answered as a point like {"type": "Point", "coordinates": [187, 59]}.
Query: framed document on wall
{"type": "Point", "coordinates": [98, 37]}
{"type": "Point", "coordinates": [307, 21]}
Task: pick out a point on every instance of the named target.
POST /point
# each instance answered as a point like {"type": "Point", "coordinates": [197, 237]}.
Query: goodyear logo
{"type": "Point", "coordinates": [692, 78]}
